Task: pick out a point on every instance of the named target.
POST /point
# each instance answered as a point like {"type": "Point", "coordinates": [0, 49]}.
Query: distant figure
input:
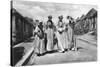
{"type": "Point", "coordinates": [73, 45]}
{"type": "Point", "coordinates": [60, 34]}
{"type": "Point", "coordinates": [49, 33]}
{"type": "Point", "coordinates": [39, 35]}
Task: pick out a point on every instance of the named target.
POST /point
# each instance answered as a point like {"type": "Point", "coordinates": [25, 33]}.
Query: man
{"type": "Point", "coordinates": [71, 34]}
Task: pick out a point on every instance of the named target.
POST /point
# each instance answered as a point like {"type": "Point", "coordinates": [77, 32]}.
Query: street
{"type": "Point", "coordinates": [87, 51]}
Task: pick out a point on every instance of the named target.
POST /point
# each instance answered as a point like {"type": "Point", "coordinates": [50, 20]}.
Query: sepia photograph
{"type": "Point", "coordinates": [45, 33]}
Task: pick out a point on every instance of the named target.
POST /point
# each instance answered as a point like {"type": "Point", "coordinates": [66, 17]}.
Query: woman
{"type": "Point", "coordinates": [69, 35]}
{"type": "Point", "coordinates": [39, 39]}
{"type": "Point", "coordinates": [60, 34]}
{"type": "Point", "coordinates": [71, 31]}
{"type": "Point", "coordinates": [49, 34]}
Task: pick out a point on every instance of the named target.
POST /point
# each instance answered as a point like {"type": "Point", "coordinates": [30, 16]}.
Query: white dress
{"type": "Point", "coordinates": [39, 46]}
{"type": "Point", "coordinates": [60, 37]}
{"type": "Point", "coordinates": [50, 34]}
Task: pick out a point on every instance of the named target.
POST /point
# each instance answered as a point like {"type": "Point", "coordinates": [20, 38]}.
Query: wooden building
{"type": "Point", "coordinates": [21, 28]}
{"type": "Point", "coordinates": [87, 23]}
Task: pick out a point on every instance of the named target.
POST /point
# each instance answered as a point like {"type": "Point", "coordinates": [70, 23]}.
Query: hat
{"type": "Point", "coordinates": [69, 17]}
{"type": "Point", "coordinates": [37, 20]}
{"type": "Point", "coordinates": [41, 22]}
{"type": "Point", "coordinates": [60, 17]}
{"type": "Point", "coordinates": [50, 17]}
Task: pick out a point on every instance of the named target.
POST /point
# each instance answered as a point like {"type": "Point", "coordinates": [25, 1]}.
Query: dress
{"type": "Point", "coordinates": [69, 36]}
{"type": "Point", "coordinates": [72, 36]}
{"type": "Point", "coordinates": [60, 36]}
{"type": "Point", "coordinates": [49, 33]}
{"type": "Point", "coordinates": [66, 39]}
{"type": "Point", "coordinates": [39, 39]}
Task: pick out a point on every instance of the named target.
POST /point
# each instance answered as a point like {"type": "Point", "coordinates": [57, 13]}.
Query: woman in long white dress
{"type": "Point", "coordinates": [39, 39]}
{"type": "Point", "coordinates": [49, 33]}
{"type": "Point", "coordinates": [60, 35]}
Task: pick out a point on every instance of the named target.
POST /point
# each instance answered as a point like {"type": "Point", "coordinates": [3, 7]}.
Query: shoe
{"type": "Point", "coordinates": [74, 49]}
{"type": "Point", "coordinates": [68, 49]}
{"type": "Point", "coordinates": [38, 54]}
{"type": "Point", "coordinates": [61, 51]}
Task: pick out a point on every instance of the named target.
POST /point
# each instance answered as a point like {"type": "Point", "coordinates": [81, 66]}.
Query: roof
{"type": "Point", "coordinates": [15, 12]}
{"type": "Point", "coordinates": [91, 13]}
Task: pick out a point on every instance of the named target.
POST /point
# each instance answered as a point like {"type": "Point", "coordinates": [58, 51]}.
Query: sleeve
{"type": "Point", "coordinates": [36, 30]}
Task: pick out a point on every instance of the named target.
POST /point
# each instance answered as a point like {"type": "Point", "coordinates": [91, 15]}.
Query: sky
{"type": "Point", "coordinates": [40, 10]}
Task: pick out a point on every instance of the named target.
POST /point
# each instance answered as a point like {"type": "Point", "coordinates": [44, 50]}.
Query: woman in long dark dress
{"type": "Point", "coordinates": [73, 45]}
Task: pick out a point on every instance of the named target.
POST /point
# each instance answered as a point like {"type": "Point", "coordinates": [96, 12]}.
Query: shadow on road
{"type": "Point", "coordinates": [80, 48]}
{"type": "Point", "coordinates": [55, 51]}
{"type": "Point", "coordinates": [48, 52]}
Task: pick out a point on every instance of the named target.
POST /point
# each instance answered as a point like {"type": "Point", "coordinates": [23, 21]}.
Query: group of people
{"type": "Point", "coordinates": [48, 36]}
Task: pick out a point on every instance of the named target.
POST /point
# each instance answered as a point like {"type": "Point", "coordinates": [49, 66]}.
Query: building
{"type": "Point", "coordinates": [21, 28]}
{"type": "Point", "coordinates": [87, 23]}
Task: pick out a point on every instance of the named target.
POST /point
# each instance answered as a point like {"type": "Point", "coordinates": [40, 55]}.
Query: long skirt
{"type": "Point", "coordinates": [39, 46]}
{"type": "Point", "coordinates": [50, 34]}
{"type": "Point", "coordinates": [70, 36]}
{"type": "Point", "coordinates": [72, 39]}
{"type": "Point", "coordinates": [66, 41]}
{"type": "Point", "coordinates": [61, 41]}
